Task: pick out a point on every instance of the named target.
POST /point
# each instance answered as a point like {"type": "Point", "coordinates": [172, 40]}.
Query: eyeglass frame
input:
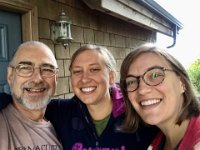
{"type": "Point", "coordinates": [142, 76]}
{"type": "Point", "coordinates": [33, 69]}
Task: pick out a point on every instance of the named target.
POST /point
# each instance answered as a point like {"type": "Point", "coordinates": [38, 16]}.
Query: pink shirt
{"type": "Point", "coordinates": [190, 139]}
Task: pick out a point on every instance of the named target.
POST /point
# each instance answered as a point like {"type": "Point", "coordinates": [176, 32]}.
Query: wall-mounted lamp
{"type": "Point", "coordinates": [61, 30]}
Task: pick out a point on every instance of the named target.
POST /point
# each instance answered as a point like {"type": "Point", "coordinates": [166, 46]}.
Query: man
{"type": "Point", "coordinates": [32, 77]}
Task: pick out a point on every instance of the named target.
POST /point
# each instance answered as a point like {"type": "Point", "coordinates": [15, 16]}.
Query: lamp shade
{"type": "Point", "coordinates": [61, 29]}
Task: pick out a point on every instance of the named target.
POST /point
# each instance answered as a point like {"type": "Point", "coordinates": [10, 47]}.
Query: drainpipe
{"type": "Point", "coordinates": [174, 37]}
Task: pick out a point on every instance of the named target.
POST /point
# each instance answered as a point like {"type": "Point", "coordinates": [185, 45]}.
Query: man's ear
{"type": "Point", "coordinates": [57, 77]}
{"type": "Point", "coordinates": [9, 75]}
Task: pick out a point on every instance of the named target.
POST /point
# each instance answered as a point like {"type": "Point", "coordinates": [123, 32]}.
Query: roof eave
{"type": "Point", "coordinates": [145, 13]}
{"type": "Point", "coordinates": [154, 6]}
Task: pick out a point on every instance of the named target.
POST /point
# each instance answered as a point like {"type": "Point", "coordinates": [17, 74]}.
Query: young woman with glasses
{"type": "Point", "coordinates": [157, 91]}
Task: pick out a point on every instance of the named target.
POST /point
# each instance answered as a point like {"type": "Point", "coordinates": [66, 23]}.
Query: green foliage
{"type": "Point", "coordinates": [194, 73]}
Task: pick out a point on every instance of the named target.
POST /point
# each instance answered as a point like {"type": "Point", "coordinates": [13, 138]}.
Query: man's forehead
{"type": "Point", "coordinates": [32, 49]}
{"type": "Point", "coordinates": [35, 54]}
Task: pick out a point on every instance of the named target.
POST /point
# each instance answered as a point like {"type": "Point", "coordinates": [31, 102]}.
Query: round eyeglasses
{"type": "Point", "coordinates": [27, 70]}
{"type": "Point", "coordinates": [152, 77]}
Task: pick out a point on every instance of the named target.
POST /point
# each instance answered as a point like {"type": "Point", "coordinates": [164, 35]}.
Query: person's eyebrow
{"type": "Point", "coordinates": [25, 63]}
{"type": "Point", "coordinates": [49, 65]}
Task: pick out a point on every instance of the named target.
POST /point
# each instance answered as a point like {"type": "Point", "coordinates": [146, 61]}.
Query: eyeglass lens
{"type": "Point", "coordinates": [151, 77]}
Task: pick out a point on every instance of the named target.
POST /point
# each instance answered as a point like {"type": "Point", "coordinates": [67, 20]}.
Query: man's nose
{"type": "Point", "coordinates": [37, 76]}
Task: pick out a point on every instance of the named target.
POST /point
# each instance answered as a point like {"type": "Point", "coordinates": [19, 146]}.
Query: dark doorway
{"type": "Point", "coordinates": [10, 38]}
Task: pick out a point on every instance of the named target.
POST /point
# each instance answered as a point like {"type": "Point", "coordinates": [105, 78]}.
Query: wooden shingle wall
{"type": "Point", "coordinates": [88, 26]}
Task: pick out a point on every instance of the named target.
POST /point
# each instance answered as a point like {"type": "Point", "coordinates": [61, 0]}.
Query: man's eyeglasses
{"type": "Point", "coordinates": [27, 70]}
{"type": "Point", "coordinates": [152, 77]}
